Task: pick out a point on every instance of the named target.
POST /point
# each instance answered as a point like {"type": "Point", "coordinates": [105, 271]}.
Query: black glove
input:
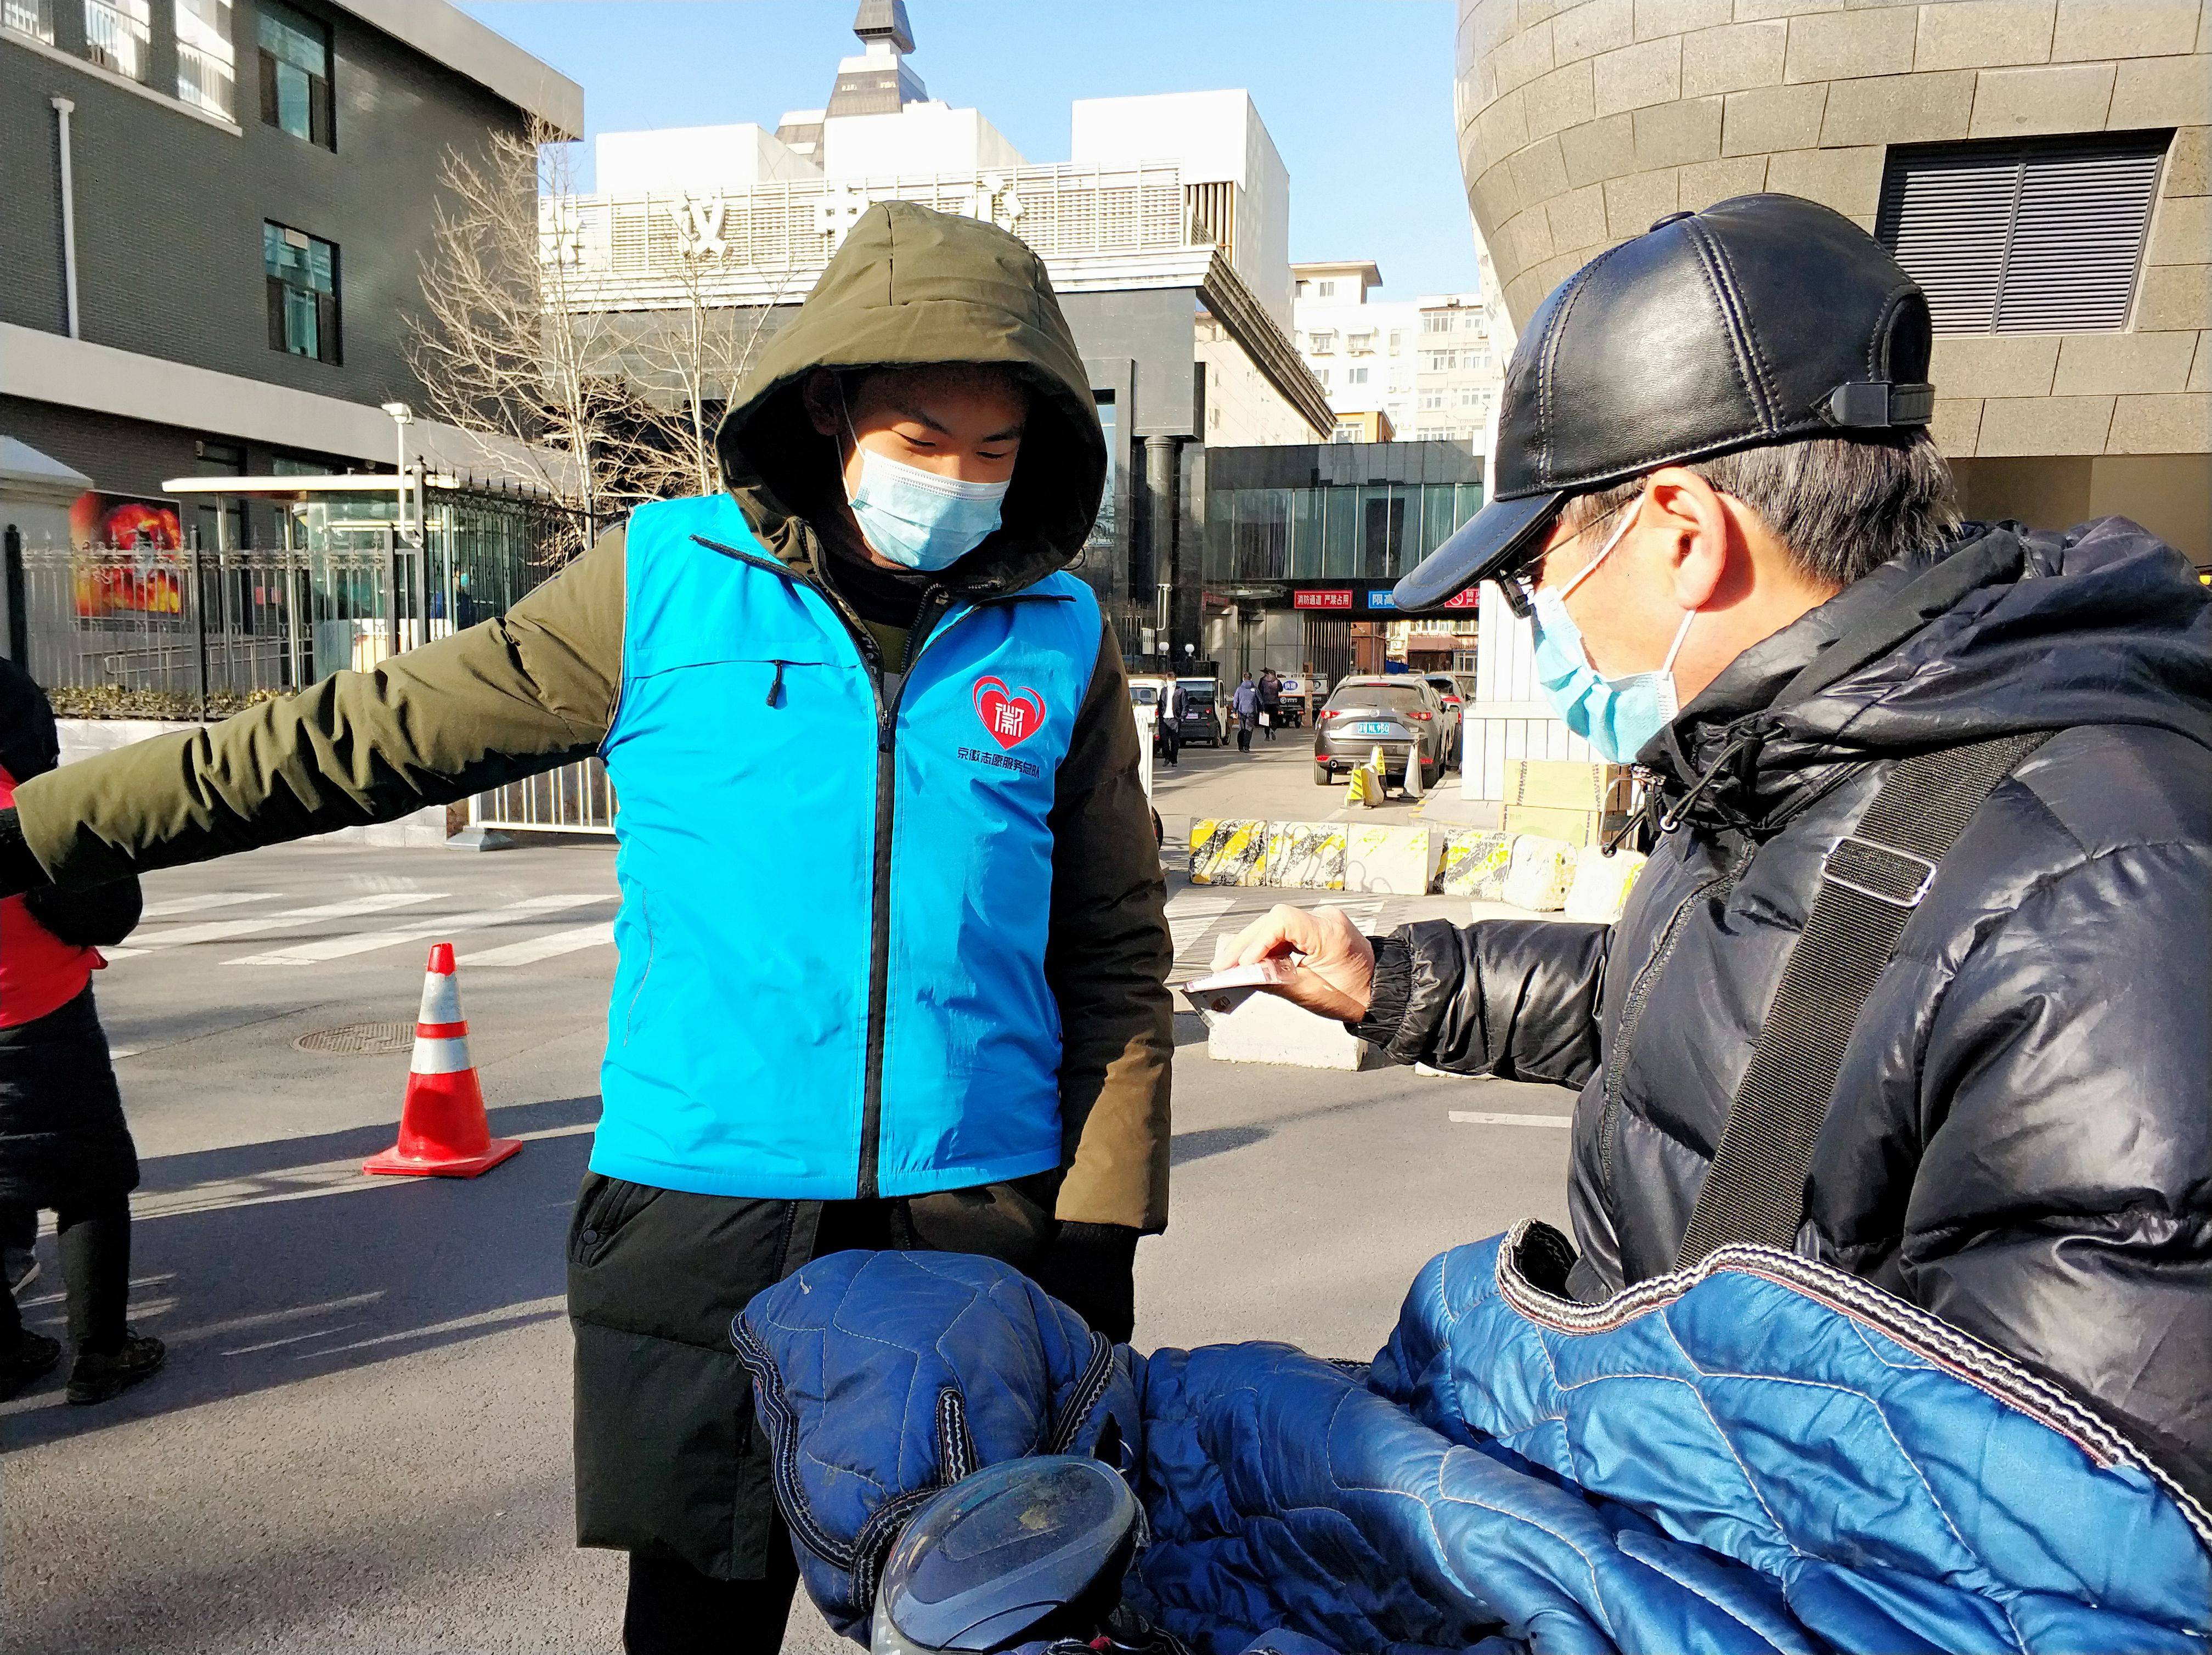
{"type": "Point", "coordinates": [1091, 1269]}
{"type": "Point", "coordinates": [18, 868]}
{"type": "Point", "coordinates": [99, 916]}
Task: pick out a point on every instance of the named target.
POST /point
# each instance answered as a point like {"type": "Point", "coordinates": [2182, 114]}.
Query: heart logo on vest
{"type": "Point", "coordinates": [1011, 716]}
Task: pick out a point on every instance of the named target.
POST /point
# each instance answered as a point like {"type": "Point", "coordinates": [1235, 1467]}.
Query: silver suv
{"type": "Point", "coordinates": [1401, 713]}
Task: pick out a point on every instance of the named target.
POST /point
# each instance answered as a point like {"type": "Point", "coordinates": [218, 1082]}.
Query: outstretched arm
{"type": "Point", "coordinates": [500, 701]}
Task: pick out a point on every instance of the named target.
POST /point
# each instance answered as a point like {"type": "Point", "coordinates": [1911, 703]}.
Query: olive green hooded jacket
{"type": "Point", "coordinates": [536, 687]}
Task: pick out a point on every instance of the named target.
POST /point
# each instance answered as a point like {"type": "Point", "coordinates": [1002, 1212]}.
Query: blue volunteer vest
{"type": "Point", "coordinates": [833, 912]}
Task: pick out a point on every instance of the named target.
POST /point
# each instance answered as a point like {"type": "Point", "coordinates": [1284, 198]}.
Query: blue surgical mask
{"type": "Point", "coordinates": [1617, 716]}
{"type": "Point", "coordinates": [918, 519]}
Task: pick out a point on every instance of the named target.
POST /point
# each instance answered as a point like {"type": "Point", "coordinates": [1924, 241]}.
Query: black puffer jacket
{"type": "Point", "coordinates": [2021, 1136]}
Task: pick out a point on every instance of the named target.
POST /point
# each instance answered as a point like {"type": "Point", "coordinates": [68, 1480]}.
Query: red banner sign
{"type": "Point", "coordinates": [1323, 598]}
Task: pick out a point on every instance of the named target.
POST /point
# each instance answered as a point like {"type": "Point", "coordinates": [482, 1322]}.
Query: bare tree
{"type": "Point", "coordinates": [511, 347]}
{"type": "Point", "coordinates": [687, 358]}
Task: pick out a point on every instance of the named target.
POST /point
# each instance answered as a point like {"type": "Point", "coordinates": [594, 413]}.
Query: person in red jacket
{"type": "Point", "coordinates": [63, 1143]}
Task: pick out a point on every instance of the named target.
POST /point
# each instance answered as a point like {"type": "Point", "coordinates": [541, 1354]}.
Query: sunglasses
{"type": "Point", "coordinates": [1517, 585]}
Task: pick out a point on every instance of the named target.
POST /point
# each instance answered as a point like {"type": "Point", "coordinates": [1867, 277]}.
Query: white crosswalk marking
{"type": "Point", "coordinates": [1192, 916]}
{"type": "Point", "coordinates": [1361, 914]}
{"type": "Point", "coordinates": [533, 949]}
{"type": "Point", "coordinates": [1485, 1118]}
{"type": "Point", "coordinates": [173, 906]}
{"type": "Point", "coordinates": [362, 942]}
{"type": "Point", "coordinates": [229, 930]}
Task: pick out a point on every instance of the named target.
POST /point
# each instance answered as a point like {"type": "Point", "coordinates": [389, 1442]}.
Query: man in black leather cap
{"type": "Point", "coordinates": [1717, 503]}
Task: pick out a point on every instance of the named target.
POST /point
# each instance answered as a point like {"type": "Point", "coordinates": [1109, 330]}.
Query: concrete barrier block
{"type": "Point", "coordinates": [1228, 850]}
{"type": "Point", "coordinates": [1398, 861]}
{"type": "Point", "coordinates": [1539, 874]}
{"type": "Point", "coordinates": [1602, 885]}
{"type": "Point", "coordinates": [1475, 862]}
{"type": "Point", "coordinates": [1263, 1029]}
{"type": "Point", "coordinates": [1305, 855]}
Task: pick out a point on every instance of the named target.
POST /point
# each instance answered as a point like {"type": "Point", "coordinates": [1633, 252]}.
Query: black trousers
{"type": "Point", "coordinates": [95, 1249]}
{"type": "Point", "coordinates": [1243, 737]}
{"type": "Point", "coordinates": [1170, 742]}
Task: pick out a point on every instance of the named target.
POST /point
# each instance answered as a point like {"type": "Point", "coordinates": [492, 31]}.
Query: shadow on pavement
{"type": "Point", "coordinates": [294, 1268]}
{"type": "Point", "coordinates": [1190, 1147]}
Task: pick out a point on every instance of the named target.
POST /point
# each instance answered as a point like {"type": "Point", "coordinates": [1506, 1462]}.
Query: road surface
{"type": "Point", "coordinates": [362, 1441]}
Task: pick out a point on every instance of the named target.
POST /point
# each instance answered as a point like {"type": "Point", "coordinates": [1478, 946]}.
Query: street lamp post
{"type": "Point", "coordinates": [402, 416]}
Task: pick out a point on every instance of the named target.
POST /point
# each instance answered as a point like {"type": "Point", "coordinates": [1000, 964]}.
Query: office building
{"type": "Point", "coordinates": [2040, 166]}
{"type": "Point", "coordinates": [211, 236]}
{"type": "Point", "coordinates": [1303, 543]}
{"type": "Point", "coordinates": [1165, 233]}
{"type": "Point", "coordinates": [1425, 369]}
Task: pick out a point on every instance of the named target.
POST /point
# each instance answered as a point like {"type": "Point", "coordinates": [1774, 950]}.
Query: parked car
{"type": "Point", "coordinates": [1402, 714]}
{"type": "Point", "coordinates": [1201, 710]}
{"type": "Point", "coordinates": [1455, 704]}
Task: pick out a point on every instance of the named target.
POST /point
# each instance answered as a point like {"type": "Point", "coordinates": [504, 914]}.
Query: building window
{"type": "Point", "coordinates": [1305, 289]}
{"type": "Point", "coordinates": [1470, 396]}
{"type": "Point", "coordinates": [1323, 343]}
{"type": "Point", "coordinates": [1397, 340]}
{"type": "Point", "coordinates": [2044, 236]}
{"type": "Point", "coordinates": [33, 17]}
{"type": "Point", "coordinates": [1362, 344]}
{"type": "Point", "coordinates": [295, 74]}
{"type": "Point", "coordinates": [118, 35]}
{"type": "Point", "coordinates": [1323, 376]}
{"type": "Point", "coordinates": [1346, 433]}
{"type": "Point", "coordinates": [1439, 361]}
{"type": "Point", "coordinates": [1437, 322]}
{"type": "Point", "coordinates": [1355, 376]}
{"type": "Point", "coordinates": [207, 63]}
{"type": "Point", "coordinates": [303, 293]}
{"type": "Point", "coordinates": [1432, 402]}
{"type": "Point", "coordinates": [1325, 290]}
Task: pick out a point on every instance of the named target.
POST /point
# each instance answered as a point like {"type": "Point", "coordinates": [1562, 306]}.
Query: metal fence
{"type": "Point", "coordinates": [198, 634]}
{"type": "Point", "coordinates": [574, 799]}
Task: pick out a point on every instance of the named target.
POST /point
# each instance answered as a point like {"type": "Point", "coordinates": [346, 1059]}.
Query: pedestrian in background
{"type": "Point", "coordinates": [1172, 703]}
{"type": "Point", "coordinates": [63, 1143]}
{"type": "Point", "coordinates": [1244, 707]}
{"type": "Point", "coordinates": [1270, 702]}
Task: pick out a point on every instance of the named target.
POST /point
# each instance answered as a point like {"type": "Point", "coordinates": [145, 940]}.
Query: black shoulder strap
{"type": "Point", "coordinates": [1870, 884]}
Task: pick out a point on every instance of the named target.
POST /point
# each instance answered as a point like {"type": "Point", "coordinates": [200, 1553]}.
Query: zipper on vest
{"type": "Point", "coordinates": [880, 920]}
{"type": "Point", "coordinates": [933, 605]}
{"type": "Point", "coordinates": [776, 690]}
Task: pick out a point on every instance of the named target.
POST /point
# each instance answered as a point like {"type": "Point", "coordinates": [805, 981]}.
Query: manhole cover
{"type": "Point", "coordinates": [360, 1039]}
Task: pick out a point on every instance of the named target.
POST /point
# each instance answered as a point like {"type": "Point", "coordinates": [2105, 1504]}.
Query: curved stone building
{"type": "Point", "coordinates": [2040, 165]}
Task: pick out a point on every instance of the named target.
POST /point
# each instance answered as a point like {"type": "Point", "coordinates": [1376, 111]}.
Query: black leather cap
{"type": "Point", "coordinates": [1759, 320]}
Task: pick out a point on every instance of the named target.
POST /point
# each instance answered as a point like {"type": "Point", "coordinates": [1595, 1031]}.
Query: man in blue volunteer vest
{"type": "Point", "coordinates": [891, 952]}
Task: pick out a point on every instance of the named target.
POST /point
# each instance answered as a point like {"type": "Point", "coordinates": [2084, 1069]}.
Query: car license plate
{"type": "Point", "coordinates": [1372, 727]}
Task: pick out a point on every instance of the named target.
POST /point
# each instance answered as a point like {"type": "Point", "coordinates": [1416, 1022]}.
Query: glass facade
{"type": "Point", "coordinates": [1367, 511]}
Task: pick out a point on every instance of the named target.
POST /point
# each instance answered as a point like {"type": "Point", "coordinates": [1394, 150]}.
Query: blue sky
{"type": "Point", "coordinates": [1357, 93]}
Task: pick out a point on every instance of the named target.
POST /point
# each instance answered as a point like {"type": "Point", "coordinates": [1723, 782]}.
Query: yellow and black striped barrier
{"type": "Point", "coordinates": [1229, 850]}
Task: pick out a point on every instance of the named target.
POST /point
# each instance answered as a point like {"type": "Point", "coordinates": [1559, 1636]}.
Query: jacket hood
{"type": "Point", "coordinates": [2007, 629]}
{"type": "Point", "coordinates": [909, 287]}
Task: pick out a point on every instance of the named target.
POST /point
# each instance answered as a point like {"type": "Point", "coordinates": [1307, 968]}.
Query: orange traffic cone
{"type": "Point", "coordinates": [442, 1129]}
